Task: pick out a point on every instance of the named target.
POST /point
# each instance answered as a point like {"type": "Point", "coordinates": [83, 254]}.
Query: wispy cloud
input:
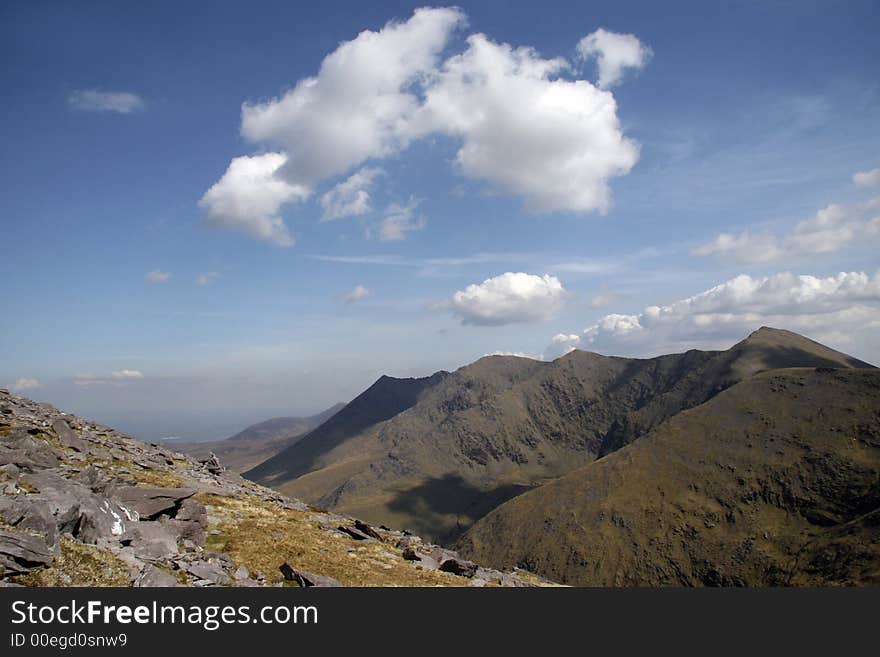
{"type": "Point", "coordinates": [207, 278]}
{"type": "Point", "coordinates": [157, 276]}
{"type": "Point", "coordinates": [117, 377]}
{"type": "Point", "coordinates": [94, 100]}
{"type": "Point", "coordinates": [24, 384]}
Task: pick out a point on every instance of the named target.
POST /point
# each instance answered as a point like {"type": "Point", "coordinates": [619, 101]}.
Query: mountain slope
{"type": "Point", "coordinates": [503, 425]}
{"type": "Point", "coordinates": [773, 481]}
{"type": "Point", "coordinates": [84, 505]}
{"type": "Point", "coordinates": [257, 442]}
{"type": "Point", "coordinates": [387, 397]}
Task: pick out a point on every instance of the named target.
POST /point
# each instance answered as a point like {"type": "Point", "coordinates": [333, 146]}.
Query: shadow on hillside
{"type": "Point", "coordinates": [443, 508]}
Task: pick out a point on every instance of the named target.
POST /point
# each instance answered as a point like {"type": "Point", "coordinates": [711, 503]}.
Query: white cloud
{"type": "Point", "coordinates": [23, 384]}
{"type": "Point", "coordinates": [360, 105]}
{"type": "Point", "coordinates": [832, 228]}
{"type": "Point", "coordinates": [93, 100]}
{"type": "Point", "coordinates": [561, 344]}
{"type": "Point", "coordinates": [351, 197]}
{"type": "Point", "coordinates": [509, 298]}
{"type": "Point", "coordinates": [833, 308]}
{"type": "Point", "coordinates": [249, 196]}
{"type": "Point", "coordinates": [528, 131]}
{"type": "Point", "coordinates": [157, 276]}
{"type": "Point", "coordinates": [122, 375]}
{"type": "Point", "coordinates": [523, 127]}
{"type": "Point", "coordinates": [867, 178]}
{"type": "Point", "coordinates": [400, 220]}
{"type": "Point", "coordinates": [614, 54]}
{"type": "Point", "coordinates": [357, 294]}
{"type": "Point", "coordinates": [207, 278]}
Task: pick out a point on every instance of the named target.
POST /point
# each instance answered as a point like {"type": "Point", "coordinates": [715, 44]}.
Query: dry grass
{"type": "Point", "coordinates": [261, 537]}
{"type": "Point", "coordinates": [79, 565]}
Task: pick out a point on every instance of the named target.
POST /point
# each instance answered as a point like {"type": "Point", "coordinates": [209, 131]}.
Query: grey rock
{"type": "Point", "coordinates": [27, 452]}
{"type": "Point", "coordinates": [77, 510]}
{"type": "Point", "coordinates": [153, 577]}
{"type": "Point", "coordinates": [306, 579]}
{"type": "Point", "coordinates": [150, 540]}
{"type": "Point", "coordinates": [411, 554]}
{"type": "Point", "coordinates": [190, 522]}
{"type": "Point", "coordinates": [212, 464]}
{"type": "Point", "coordinates": [210, 572]}
{"type": "Point", "coordinates": [354, 533]}
{"type": "Point", "coordinates": [150, 503]}
{"type": "Point", "coordinates": [92, 478]}
{"type": "Point", "coordinates": [31, 513]}
{"type": "Point", "coordinates": [21, 553]}
{"type": "Point", "coordinates": [67, 436]}
{"type": "Point", "coordinates": [100, 518]}
{"type": "Point", "coordinates": [451, 562]}
{"type": "Point", "coordinates": [241, 574]}
{"type": "Point", "coordinates": [364, 528]}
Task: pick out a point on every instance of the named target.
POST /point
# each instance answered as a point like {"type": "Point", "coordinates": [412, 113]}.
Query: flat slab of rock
{"type": "Point", "coordinates": [67, 436]}
{"type": "Point", "coordinates": [151, 502]}
{"type": "Point", "coordinates": [150, 540]}
{"type": "Point", "coordinates": [22, 553]}
{"type": "Point", "coordinates": [29, 512]}
{"type": "Point", "coordinates": [306, 579]}
{"type": "Point", "coordinates": [153, 577]}
{"type": "Point", "coordinates": [209, 573]}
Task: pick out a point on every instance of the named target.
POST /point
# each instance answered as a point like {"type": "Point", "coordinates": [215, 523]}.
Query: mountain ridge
{"type": "Point", "coordinates": [774, 481]}
{"type": "Point", "coordinates": [503, 425]}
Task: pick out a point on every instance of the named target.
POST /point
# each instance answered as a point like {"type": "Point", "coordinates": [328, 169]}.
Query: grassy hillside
{"type": "Point", "coordinates": [774, 481]}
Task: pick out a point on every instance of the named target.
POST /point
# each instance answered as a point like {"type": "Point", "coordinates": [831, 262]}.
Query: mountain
{"type": "Point", "coordinates": [503, 425]}
{"type": "Point", "coordinates": [774, 481]}
{"type": "Point", "coordinates": [84, 505]}
{"type": "Point", "coordinates": [282, 427]}
{"type": "Point", "coordinates": [387, 397]}
{"type": "Point", "coordinates": [257, 442]}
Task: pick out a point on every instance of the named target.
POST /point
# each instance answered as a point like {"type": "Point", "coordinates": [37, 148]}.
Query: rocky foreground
{"type": "Point", "coordinates": [84, 505]}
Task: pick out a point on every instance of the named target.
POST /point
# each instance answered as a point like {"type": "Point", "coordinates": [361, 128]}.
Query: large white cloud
{"type": "Point", "coordinates": [835, 308]}
{"type": "Point", "coordinates": [360, 105]}
{"type": "Point", "coordinates": [509, 298]}
{"type": "Point", "coordinates": [614, 54]}
{"type": "Point", "coordinates": [249, 197]}
{"type": "Point", "coordinates": [528, 131]}
{"type": "Point", "coordinates": [829, 230]}
{"type": "Point", "coordinates": [351, 197]}
{"type": "Point", "coordinates": [523, 126]}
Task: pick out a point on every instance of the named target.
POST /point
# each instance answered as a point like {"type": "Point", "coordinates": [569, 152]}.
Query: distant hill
{"type": "Point", "coordinates": [471, 440]}
{"type": "Point", "coordinates": [257, 442]}
{"type": "Point", "coordinates": [772, 482]}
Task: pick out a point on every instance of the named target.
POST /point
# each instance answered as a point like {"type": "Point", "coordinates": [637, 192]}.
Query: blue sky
{"type": "Point", "coordinates": [686, 174]}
